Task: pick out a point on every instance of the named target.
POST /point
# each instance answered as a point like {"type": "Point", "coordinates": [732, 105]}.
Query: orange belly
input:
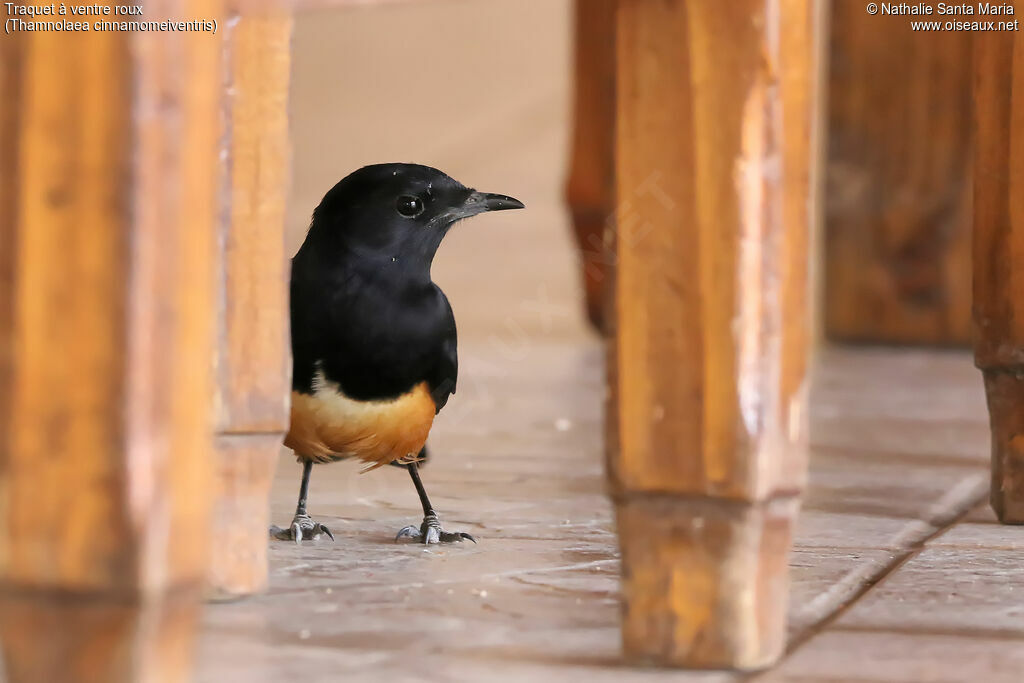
{"type": "Point", "coordinates": [328, 425]}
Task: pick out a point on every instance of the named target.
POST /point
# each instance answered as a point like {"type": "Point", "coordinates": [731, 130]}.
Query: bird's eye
{"type": "Point", "coordinates": [409, 206]}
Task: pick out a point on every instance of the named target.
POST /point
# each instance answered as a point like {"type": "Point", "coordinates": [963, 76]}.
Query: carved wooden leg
{"type": "Point", "coordinates": [591, 186]}
{"type": "Point", "coordinates": [253, 354]}
{"type": "Point", "coordinates": [999, 258]}
{"type": "Point", "coordinates": [107, 214]}
{"type": "Point", "coordinates": [707, 416]}
{"type": "Point", "coordinates": [899, 171]}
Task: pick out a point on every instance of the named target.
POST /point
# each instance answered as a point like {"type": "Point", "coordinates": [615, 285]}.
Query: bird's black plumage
{"type": "Point", "coordinates": [363, 306]}
{"type": "Point", "coordinates": [374, 329]}
{"type": "Point", "coordinates": [373, 338]}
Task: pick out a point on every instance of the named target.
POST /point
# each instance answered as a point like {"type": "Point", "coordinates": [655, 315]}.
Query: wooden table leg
{"type": "Point", "coordinates": [590, 190]}
{"type": "Point", "coordinates": [999, 258]}
{"type": "Point", "coordinates": [898, 215]}
{"type": "Point", "coordinates": [707, 416]}
{"type": "Point", "coordinates": [253, 354]}
{"type": "Point", "coordinates": [107, 233]}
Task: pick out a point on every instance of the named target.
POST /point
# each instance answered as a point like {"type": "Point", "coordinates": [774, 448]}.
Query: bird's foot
{"type": "Point", "coordinates": [302, 527]}
{"type": "Point", "coordinates": [430, 531]}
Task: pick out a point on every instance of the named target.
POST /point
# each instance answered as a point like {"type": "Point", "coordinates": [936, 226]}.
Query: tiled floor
{"type": "Point", "coordinates": [888, 585]}
{"type": "Point", "coordinates": [891, 581]}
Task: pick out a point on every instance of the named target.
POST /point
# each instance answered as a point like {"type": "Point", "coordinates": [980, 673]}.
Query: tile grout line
{"type": "Point", "coordinates": [978, 634]}
{"type": "Point", "coordinates": [899, 560]}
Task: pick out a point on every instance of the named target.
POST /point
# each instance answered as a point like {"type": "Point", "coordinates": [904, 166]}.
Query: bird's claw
{"type": "Point", "coordinates": [430, 532]}
{"type": "Point", "coordinates": [303, 527]}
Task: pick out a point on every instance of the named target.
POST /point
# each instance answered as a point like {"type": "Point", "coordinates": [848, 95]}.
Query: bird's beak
{"type": "Point", "coordinates": [499, 202]}
{"type": "Point", "coordinates": [479, 202]}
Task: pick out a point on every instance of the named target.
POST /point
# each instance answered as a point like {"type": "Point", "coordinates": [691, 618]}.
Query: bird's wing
{"type": "Point", "coordinates": [445, 373]}
{"type": "Point", "coordinates": [303, 332]}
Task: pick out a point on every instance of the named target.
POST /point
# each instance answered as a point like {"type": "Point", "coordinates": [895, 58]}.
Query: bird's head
{"type": "Point", "coordinates": [397, 213]}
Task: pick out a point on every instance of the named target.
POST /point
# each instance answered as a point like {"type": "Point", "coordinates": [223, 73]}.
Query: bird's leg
{"type": "Point", "coordinates": [302, 525]}
{"type": "Point", "coordinates": [430, 530]}
{"type": "Point", "coordinates": [422, 459]}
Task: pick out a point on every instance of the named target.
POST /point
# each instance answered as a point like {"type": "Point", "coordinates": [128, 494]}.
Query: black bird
{"type": "Point", "coordinates": [373, 338]}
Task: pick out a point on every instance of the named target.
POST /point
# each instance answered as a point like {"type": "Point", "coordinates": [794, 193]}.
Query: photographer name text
{"type": "Point", "coordinates": [982, 9]}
